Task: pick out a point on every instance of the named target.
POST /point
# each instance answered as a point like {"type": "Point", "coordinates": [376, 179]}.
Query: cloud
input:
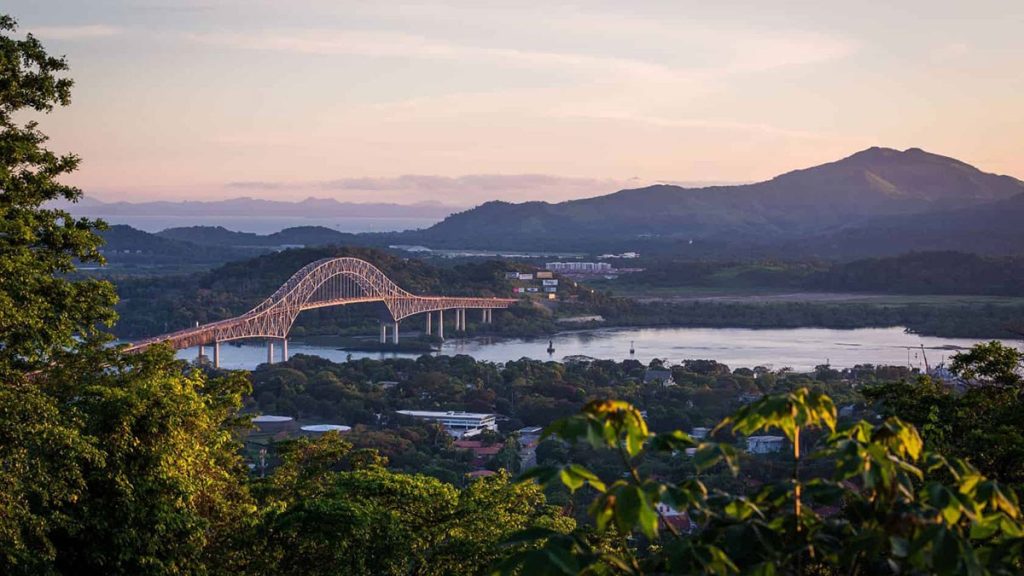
{"type": "Point", "coordinates": [386, 44]}
{"type": "Point", "coordinates": [83, 32]}
{"type": "Point", "coordinates": [713, 124]}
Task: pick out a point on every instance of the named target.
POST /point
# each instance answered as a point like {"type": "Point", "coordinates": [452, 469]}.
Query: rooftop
{"type": "Point", "coordinates": [326, 428]}
{"type": "Point", "coordinates": [430, 414]}
{"type": "Point", "coordinates": [269, 418]}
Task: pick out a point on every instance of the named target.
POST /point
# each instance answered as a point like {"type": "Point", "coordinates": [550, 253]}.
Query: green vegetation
{"type": "Point", "coordinates": [134, 464]}
{"type": "Point", "coordinates": [886, 505]}
{"type": "Point", "coordinates": [966, 320]}
{"type": "Point", "coordinates": [528, 392]}
{"type": "Point", "coordinates": [115, 464]}
{"type": "Point", "coordinates": [913, 273]}
{"type": "Point", "coordinates": [155, 305]}
{"type": "Point", "coordinates": [984, 423]}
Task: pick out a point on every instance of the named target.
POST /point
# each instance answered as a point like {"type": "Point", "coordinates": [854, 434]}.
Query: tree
{"type": "Point", "coordinates": [109, 463]}
{"type": "Point", "coordinates": [888, 507]}
{"type": "Point", "coordinates": [332, 510]}
{"type": "Point", "coordinates": [990, 363]}
{"type": "Point", "coordinates": [169, 494]}
{"type": "Point", "coordinates": [42, 313]}
{"type": "Point", "coordinates": [983, 424]}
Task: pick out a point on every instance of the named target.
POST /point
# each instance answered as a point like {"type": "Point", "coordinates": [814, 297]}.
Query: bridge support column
{"type": "Point", "coordinates": [383, 332]}
{"type": "Point", "coordinates": [440, 324]}
{"type": "Point", "coordinates": [270, 351]}
{"type": "Point", "coordinates": [394, 337]}
{"type": "Point", "coordinates": [216, 354]}
{"type": "Point", "coordinates": [460, 320]}
{"type": "Point", "coordinates": [489, 318]}
{"type": "Point", "coordinates": [430, 315]}
{"type": "Point", "coordinates": [202, 352]}
{"type": "Point", "coordinates": [284, 349]}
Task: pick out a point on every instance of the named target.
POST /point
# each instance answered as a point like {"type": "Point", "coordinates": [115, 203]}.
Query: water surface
{"type": "Point", "coordinates": [798, 348]}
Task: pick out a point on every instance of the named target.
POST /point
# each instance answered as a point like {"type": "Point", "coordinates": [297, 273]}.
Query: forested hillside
{"type": "Point", "coordinates": [945, 272]}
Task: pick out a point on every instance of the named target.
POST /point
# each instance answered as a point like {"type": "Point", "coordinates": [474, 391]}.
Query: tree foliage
{"type": "Point", "coordinates": [333, 510]}
{"type": "Point", "coordinates": [889, 506]}
{"type": "Point", "coordinates": [42, 313]}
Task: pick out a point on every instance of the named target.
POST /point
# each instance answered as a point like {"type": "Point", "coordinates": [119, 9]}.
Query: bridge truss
{"type": "Point", "coordinates": [319, 284]}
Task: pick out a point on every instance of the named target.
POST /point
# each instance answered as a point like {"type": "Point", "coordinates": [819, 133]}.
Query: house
{"type": "Point", "coordinates": [529, 438]}
{"type": "Point", "coordinates": [481, 453]}
{"type": "Point", "coordinates": [764, 444]}
{"type": "Point", "coordinates": [664, 377]}
{"type": "Point", "coordinates": [680, 521]}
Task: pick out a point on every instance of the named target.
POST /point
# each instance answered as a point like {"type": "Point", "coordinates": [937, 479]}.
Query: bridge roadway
{"type": "Point", "coordinates": [319, 284]}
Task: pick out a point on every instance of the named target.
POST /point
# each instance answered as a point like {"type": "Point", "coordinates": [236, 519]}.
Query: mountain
{"type": "Point", "coordinates": [299, 235]}
{"type": "Point", "coordinates": [874, 183]}
{"type": "Point", "coordinates": [255, 207]}
{"type": "Point", "coordinates": [993, 228]}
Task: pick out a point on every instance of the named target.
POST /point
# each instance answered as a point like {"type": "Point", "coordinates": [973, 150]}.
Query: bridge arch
{"type": "Point", "coordinates": [325, 282]}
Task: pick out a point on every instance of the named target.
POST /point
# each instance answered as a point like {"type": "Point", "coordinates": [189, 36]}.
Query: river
{"type": "Point", "coordinates": [798, 348]}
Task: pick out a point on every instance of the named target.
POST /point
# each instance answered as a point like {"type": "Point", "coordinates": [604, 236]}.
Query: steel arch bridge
{"type": "Point", "coordinates": [319, 284]}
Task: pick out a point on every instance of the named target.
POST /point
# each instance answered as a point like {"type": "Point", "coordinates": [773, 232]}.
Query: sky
{"type": "Point", "coordinates": [463, 102]}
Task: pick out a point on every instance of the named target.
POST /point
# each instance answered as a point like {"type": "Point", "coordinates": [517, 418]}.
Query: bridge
{"type": "Point", "coordinates": [319, 284]}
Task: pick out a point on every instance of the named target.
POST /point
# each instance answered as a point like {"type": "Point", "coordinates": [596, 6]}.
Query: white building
{"type": "Point", "coordinates": [456, 423]}
{"type": "Point", "coordinates": [579, 267]}
{"type": "Point", "coordinates": [764, 444]}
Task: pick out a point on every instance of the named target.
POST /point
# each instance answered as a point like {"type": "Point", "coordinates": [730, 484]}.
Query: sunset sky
{"type": "Point", "coordinates": [464, 102]}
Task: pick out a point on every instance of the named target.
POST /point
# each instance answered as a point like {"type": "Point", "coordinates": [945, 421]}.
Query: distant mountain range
{"type": "Point", "coordinates": [256, 207]}
{"type": "Point", "coordinates": [909, 198]}
{"type": "Point", "coordinates": [878, 202]}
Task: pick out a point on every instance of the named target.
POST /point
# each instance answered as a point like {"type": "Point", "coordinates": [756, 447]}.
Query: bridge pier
{"type": "Point", "coordinates": [202, 352]}
{"type": "Point", "coordinates": [325, 282]}
{"type": "Point", "coordinates": [383, 332]}
{"type": "Point", "coordinates": [284, 349]}
{"type": "Point", "coordinates": [394, 336]}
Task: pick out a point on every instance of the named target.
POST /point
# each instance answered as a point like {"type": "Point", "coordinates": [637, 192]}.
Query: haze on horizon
{"type": "Point", "coordinates": [462, 102]}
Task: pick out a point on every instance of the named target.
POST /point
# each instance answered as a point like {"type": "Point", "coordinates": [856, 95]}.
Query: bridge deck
{"type": "Point", "coordinates": [324, 283]}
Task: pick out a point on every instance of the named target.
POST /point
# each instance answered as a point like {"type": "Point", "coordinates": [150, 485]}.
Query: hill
{"type": "Point", "coordinates": [814, 202]}
{"type": "Point", "coordinates": [129, 250]}
{"type": "Point", "coordinates": [992, 228]}
{"type": "Point", "coordinates": [297, 236]}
